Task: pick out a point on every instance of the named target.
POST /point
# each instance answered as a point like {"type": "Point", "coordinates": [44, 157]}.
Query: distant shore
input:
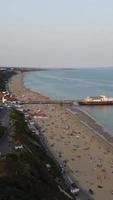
{"type": "Point", "coordinates": [71, 135]}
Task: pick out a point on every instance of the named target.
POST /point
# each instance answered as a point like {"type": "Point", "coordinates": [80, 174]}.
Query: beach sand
{"type": "Point", "coordinates": [88, 156]}
{"type": "Point", "coordinates": [16, 86]}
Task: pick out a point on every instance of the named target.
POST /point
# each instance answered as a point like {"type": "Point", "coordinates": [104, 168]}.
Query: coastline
{"type": "Point", "coordinates": [73, 141]}
{"type": "Point", "coordinates": [24, 93]}
{"type": "Point", "coordinates": [93, 124]}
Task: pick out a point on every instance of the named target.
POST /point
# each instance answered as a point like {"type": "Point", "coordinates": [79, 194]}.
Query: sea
{"type": "Point", "coordinates": [77, 84]}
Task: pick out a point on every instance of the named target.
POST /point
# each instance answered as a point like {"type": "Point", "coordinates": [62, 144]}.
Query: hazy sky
{"type": "Point", "coordinates": [56, 33]}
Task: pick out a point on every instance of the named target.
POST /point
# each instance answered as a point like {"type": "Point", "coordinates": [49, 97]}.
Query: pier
{"type": "Point", "coordinates": [70, 102]}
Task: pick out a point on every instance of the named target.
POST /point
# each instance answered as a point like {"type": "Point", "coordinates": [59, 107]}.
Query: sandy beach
{"type": "Point", "coordinates": [17, 87]}
{"type": "Point", "coordinates": [89, 157]}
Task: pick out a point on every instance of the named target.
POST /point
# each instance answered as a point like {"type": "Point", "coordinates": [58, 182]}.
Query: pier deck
{"type": "Point", "coordinates": [49, 102]}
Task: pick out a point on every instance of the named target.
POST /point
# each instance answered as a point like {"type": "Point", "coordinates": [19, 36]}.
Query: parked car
{"type": "Point", "coordinates": [74, 188]}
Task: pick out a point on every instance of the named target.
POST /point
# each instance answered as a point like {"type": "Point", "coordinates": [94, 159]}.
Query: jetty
{"type": "Point", "coordinates": [70, 102]}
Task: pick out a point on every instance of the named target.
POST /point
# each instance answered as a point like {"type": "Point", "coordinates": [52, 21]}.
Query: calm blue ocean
{"type": "Point", "coordinates": [77, 83]}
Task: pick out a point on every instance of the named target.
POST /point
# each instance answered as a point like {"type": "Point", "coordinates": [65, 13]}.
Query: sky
{"type": "Point", "coordinates": [56, 33]}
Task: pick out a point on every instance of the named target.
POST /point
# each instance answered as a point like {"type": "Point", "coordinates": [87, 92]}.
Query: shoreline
{"type": "Point", "coordinates": [84, 117]}
{"type": "Point", "coordinates": [28, 94]}
{"type": "Point", "coordinates": [88, 155]}
{"type": "Point", "coordinates": [89, 122]}
{"type": "Point", "coordinates": [93, 124]}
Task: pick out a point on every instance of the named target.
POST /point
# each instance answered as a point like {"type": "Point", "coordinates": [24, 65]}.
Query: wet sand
{"type": "Point", "coordinates": [92, 124]}
{"type": "Point", "coordinates": [69, 135]}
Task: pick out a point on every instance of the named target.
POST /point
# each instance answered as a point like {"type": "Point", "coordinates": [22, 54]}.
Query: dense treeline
{"type": "Point", "coordinates": [25, 179]}
{"type": "Point", "coordinates": [4, 77]}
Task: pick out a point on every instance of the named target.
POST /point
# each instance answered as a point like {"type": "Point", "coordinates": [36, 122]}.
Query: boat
{"type": "Point", "coordinates": [99, 100]}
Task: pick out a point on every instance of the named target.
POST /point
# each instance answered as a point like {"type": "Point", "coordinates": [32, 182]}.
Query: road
{"type": "Point", "coordinates": [5, 145]}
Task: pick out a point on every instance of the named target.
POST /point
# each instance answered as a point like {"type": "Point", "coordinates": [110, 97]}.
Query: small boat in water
{"type": "Point", "coordinates": [99, 100]}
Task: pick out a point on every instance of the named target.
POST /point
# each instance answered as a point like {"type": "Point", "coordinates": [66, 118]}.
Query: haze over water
{"type": "Point", "coordinates": [76, 84]}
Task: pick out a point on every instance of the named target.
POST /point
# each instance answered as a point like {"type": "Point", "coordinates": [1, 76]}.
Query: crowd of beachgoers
{"type": "Point", "coordinates": [88, 156]}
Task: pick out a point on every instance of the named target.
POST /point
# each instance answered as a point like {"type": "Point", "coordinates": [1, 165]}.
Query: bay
{"type": "Point", "coordinates": [76, 84]}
